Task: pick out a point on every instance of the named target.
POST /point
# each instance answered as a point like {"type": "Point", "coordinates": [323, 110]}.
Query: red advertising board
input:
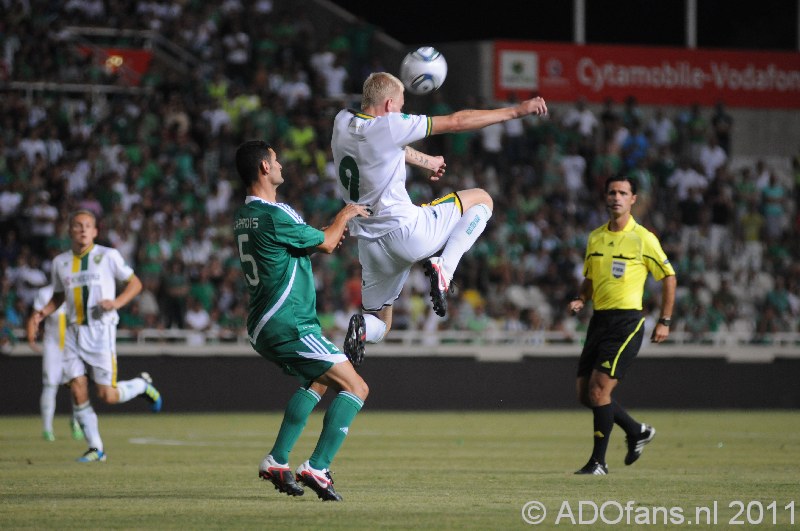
{"type": "Point", "coordinates": [655, 75]}
{"type": "Point", "coordinates": [128, 63]}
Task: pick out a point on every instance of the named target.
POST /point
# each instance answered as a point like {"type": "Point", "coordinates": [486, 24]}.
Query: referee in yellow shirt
{"type": "Point", "coordinates": [619, 254]}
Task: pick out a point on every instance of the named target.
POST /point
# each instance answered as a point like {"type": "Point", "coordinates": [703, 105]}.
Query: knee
{"type": "Point", "coordinates": [109, 395]}
{"type": "Point", "coordinates": [486, 199]}
{"type": "Point", "coordinates": [350, 382]}
{"type": "Point", "coordinates": [384, 321]}
{"type": "Point", "coordinates": [360, 389]}
{"type": "Point", "coordinates": [363, 390]}
{"type": "Point", "coordinates": [597, 396]}
{"type": "Point", "coordinates": [318, 388]}
{"type": "Point", "coordinates": [79, 389]}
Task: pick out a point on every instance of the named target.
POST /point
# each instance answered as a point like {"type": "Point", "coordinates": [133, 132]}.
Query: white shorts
{"type": "Point", "coordinates": [91, 350]}
{"type": "Point", "coordinates": [52, 362]}
{"type": "Point", "coordinates": [386, 262]}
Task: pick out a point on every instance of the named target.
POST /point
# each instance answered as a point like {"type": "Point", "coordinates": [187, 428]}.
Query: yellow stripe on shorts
{"type": "Point", "coordinates": [62, 329]}
{"type": "Point", "coordinates": [625, 344]}
{"type": "Point", "coordinates": [449, 198]}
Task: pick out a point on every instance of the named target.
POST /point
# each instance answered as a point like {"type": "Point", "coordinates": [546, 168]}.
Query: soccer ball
{"type": "Point", "coordinates": [423, 70]}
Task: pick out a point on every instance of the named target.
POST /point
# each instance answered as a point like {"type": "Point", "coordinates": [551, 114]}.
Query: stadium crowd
{"type": "Point", "coordinates": [157, 169]}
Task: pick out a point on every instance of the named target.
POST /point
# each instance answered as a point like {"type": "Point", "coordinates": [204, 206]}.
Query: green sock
{"type": "Point", "coordinates": [295, 417]}
{"type": "Point", "coordinates": [335, 426]}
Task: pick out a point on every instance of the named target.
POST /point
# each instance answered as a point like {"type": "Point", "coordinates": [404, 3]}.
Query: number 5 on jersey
{"type": "Point", "coordinates": [247, 259]}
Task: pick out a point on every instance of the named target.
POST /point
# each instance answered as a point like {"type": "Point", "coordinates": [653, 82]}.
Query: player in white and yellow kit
{"type": "Point", "coordinates": [85, 277]}
{"type": "Point", "coordinates": [370, 153]}
{"type": "Point", "coordinates": [52, 350]}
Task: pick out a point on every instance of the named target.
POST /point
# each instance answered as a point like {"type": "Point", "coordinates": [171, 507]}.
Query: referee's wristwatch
{"type": "Point", "coordinates": [666, 321]}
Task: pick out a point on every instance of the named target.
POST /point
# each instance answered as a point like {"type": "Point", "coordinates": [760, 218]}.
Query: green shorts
{"type": "Point", "coordinates": [306, 358]}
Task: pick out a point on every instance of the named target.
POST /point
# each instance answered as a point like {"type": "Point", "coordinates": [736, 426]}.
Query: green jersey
{"type": "Point", "coordinates": [273, 243]}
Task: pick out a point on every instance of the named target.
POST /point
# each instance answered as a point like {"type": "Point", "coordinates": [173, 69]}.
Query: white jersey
{"type": "Point", "coordinates": [56, 322]}
{"type": "Point", "coordinates": [87, 279]}
{"type": "Point", "coordinates": [369, 156]}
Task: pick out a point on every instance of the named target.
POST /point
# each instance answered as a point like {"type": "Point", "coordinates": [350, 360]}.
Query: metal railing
{"type": "Point", "coordinates": [29, 87]}
{"type": "Point", "coordinates": [487, 346]}
{"type": "Point", "coordinates": [416, 338]}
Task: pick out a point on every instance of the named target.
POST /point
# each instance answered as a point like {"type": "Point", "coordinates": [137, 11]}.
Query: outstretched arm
{"type": "Point", "coordinates": [470, 119]}
{"type": "Point", "coordinates": [334, 233]}
{"type": "Point", "coordinates": [427, 162]}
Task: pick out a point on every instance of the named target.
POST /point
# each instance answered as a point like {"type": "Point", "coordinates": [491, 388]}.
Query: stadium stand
{"type": "Point", "coordinates": [151, 153]}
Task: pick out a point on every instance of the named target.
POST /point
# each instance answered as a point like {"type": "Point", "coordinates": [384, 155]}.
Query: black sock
{"type": "Point", "coordinates": [603, 422]}
{"type": "Point", "coordinates": [625, 421]}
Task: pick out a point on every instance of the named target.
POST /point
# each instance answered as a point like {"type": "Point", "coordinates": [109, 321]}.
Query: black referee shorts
{"type": "Point", "coordinates": [612, 342]}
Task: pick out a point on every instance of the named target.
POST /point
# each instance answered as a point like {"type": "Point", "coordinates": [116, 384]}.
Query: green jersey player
{"type": "Point", "coordinates": [274, 245]}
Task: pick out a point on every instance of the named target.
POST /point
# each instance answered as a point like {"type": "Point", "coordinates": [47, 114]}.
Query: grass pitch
{"type": "Point", "coordinates": [404, 470]}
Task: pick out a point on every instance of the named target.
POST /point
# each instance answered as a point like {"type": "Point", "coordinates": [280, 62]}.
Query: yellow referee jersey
{"type": "Point", "coordinates": [617, 264]}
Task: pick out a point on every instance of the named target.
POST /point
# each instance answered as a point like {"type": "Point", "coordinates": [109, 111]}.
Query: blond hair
{"type": "Point", "coordinates": [378, 87]}
{"type": "Point", "coordinates": [82, 212]}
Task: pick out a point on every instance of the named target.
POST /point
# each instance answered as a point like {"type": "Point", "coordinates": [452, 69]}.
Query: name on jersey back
{"type": "Point", "coordinates": [246, 223]}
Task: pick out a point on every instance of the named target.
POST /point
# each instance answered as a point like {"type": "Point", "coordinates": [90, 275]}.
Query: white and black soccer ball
{"type": "Point", "coordinates": [423, 70]}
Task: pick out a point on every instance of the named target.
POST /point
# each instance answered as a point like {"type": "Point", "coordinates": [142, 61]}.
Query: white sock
{"type": "Point", "coordinates": [87, 418]}
{"type": "Point", "coordinates": [464, 236]}
{"type": "Point", "coordinates": [47, 404]}
{"type": "Point", "coordinates": [375, 328]}
{"type": "Point", "coordinates": [130, 389]}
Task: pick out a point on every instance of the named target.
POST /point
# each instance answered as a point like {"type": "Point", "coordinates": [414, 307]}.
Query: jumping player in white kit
{"type": "Point", "coordinates": [370, 153]}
